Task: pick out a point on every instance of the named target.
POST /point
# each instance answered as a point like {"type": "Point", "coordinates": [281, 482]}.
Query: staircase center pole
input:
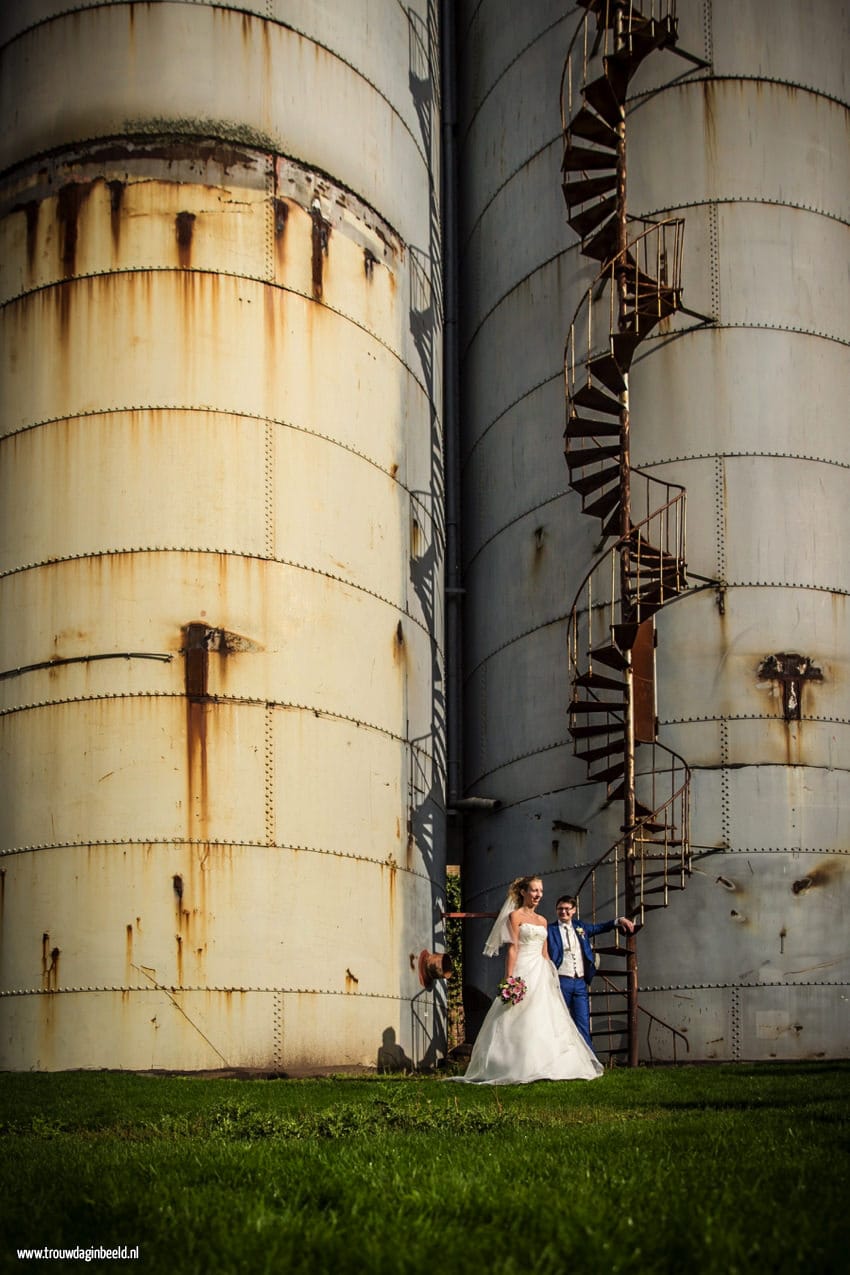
{"type": "Point", "coordinates": [621, 272]}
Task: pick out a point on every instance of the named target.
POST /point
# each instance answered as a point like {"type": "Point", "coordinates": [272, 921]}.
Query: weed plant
{"type": "Point", "coordinates": [726, 1170]}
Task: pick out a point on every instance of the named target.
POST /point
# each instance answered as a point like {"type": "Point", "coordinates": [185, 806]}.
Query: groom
{"type": "Point", "coordinates": [572, 956]}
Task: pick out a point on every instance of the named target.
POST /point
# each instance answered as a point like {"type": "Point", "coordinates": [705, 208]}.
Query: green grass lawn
{"type": "Point", "coordinates": [695, 1169]}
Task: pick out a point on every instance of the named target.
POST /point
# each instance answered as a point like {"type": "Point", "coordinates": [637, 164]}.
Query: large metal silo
{"type": "Point", "coordinates": [740, 402]}
{"type": "Point", "coordinates": [523, 550]}
{"type": "Point", "coordinates": [221, 729]}
{"type": "Point", "coordinates": [751, 961]}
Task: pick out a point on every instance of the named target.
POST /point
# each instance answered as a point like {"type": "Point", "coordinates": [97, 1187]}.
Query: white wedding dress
{"type": "Point", "coordinates": [536, 1039]}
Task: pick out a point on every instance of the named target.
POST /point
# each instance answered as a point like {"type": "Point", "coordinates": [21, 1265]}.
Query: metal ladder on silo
{"type": "Point", "coordinates": [637, 287]}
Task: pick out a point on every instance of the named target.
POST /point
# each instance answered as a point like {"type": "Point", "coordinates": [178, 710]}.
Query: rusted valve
{"type": "Point", "coordinates": [434, 966]}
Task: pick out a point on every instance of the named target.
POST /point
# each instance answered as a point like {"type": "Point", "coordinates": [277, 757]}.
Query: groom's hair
{"type": "Point", "coordinates": [568, 898]}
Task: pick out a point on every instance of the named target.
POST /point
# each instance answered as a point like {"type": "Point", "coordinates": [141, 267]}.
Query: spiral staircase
{"type": "Point", "coordinates": [611, 635]}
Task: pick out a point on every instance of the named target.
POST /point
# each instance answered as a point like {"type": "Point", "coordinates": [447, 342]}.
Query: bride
{"type": "Point", "coordinates": [536, 1038]}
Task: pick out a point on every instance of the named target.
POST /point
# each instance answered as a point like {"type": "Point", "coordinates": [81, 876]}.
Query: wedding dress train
{"type": "Point", "coordinates": [536, 1039]}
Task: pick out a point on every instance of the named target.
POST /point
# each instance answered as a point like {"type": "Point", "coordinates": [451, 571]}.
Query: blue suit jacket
{"type": "Point", "coordinates": [585, 932]}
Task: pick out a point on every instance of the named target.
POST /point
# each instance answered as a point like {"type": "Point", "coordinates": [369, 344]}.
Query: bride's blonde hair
{"type": "Point", "coordinates": [519, 885]}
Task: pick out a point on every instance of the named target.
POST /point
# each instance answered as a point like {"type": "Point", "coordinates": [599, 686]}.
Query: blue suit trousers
{"type": "Point", "coordinates": [574, 992]}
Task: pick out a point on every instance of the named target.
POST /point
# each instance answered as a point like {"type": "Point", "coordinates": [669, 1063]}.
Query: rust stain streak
{"type": "Point", "coordinates": [184, 224]}
{"type": "Point", "coordinates": [116, 199]}
{"type": "Point", "coordinates": [196, 647]}
{"type": "Point", "coordinates": [321, 235]}
{"type": "Point", "coordinates": [49, 964]}
{"type": "Point", "coordinates": [31, 210]}
{"type": "Point", "coordinates": [69, 206]}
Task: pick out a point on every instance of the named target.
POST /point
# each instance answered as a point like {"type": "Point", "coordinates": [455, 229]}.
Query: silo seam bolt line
{"type": "Point", "coordinates": [533, 509]}
{"type": "Point", "coordinates": [93, 555]}
{"type": "Point", "coordinates": [483, 775]}
{"type": "Point", "coordinates": [829, 590]}
{"type": "Point", "coordinates": [699, 987]}
{"type": "Point", "coordinates": [69, 281]}
{"type": "Point", "coordinates": [831, 850]}
{"type": "Point", "coordinates": [700, 77]}
{"type": "Point", "coordinates": [535, 752]}
{"type": "Point", "coordinates": [746, 199]}
{"type": "Point", "coordinates": [201, 409]}
{"type": "Point", "coordinates": [556, 141]}
{"type": "Point", "coordinates": [751, 717]}
{"type": "Point", "coordinates": [500, 75]}
{"type": "Point", "coordinates": [213, 699]}
{"type": "Point", "coordinates": [518, 637]}
{"type": "Point", "coordinates": [154, 988]}
{"type": "Point", "coordinates": [555, 378]}
{"type": "Point", "coordinates": [482, 319]}
{"type": "Point", "coordinates": [223, 135]}
{"type": "Point", "coordinates": [743, 455]}
{"type": "Point", "coordinates": [717, 325]}
{"type": "Point", "coordinates": [165, 842]}
{"type": "Point", "coordinates": [502, 298]}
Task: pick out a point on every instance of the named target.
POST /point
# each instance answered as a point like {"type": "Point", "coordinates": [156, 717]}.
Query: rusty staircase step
{"type": "Point", "coordinates": [591, 128]}
{"type": "Point", "coordinates": [601, 245]}
{"type": "Point", "coordinates": [586, 188]}
{"type": "Point", "coordinates": [592, 482]}
{"type": "Point", "coordinates": [596, 706]}
{"type": "Point", "coordinates": [600, 681]}
{"type": "Point", "coordinates": [583, 159]}
{"type": "Point", "coordinates": [611, 656]}
{"type": "Point", "coordinates": [605, 504]}
{"type": "Point", "coordinates": [577, 457]}
{"type": "Point", "coordinates": [584, 427]}
{"type": "Point", "coordinates": [597, 729]}
{"type": "Point", "coordinates": [611, 526]}
{"type": "Point", "coordinates": [590, 218]}
{"type": "Point", "coordinates": [625, 634]}
{"type": "Point", "coordinates": [599, 95]}
{"type": "Point", "coordinates": [624, 345]}
{"type": "Point", "coordinates": [597, 400]}
{"type": "Point", "coordinates": [606, 370]}
{"type": "Point", "coordinates": [598, 754]}
{"type": "Point", "coordinates": [609, 774]}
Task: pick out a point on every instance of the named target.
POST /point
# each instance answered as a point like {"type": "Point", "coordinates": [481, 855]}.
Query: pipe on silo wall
{"type": "Point", "coordinates": [222, 536]}
{"type": "Point", "coordinates": [747, 412]}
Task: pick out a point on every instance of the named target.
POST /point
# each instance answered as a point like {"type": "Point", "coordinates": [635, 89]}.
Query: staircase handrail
{"type": "Point", "coordinates": [610, 265]}
{"type": "Point", "coordinates": [614, 548]}
{"type": "Point", "coordinates": [580, 30]}
{"type": "Point", "coordinates": [610, 987]}
{"type": "Point", "coordinates": [651, 817]}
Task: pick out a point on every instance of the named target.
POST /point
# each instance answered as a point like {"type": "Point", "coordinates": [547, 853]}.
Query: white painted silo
{"type": "Point", "coordinates": [746, 413]}
{"type": "Point", "coordinates": [221, 731]}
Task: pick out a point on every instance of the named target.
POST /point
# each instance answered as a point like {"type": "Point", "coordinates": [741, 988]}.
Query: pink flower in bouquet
{"type": "Point", "coordinates": [512, 990]}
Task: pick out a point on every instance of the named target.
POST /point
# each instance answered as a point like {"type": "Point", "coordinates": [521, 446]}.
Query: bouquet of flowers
{"type": "Point", "coordinates": [512, 990]}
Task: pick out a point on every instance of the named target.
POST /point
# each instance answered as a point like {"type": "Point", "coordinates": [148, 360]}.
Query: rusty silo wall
{"type": "Point", "coordinates": [747, 412]}
{"type": "Point", "coordinates": [220, 740]}
{"type": "Point", "coordinates": [752, 961]}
